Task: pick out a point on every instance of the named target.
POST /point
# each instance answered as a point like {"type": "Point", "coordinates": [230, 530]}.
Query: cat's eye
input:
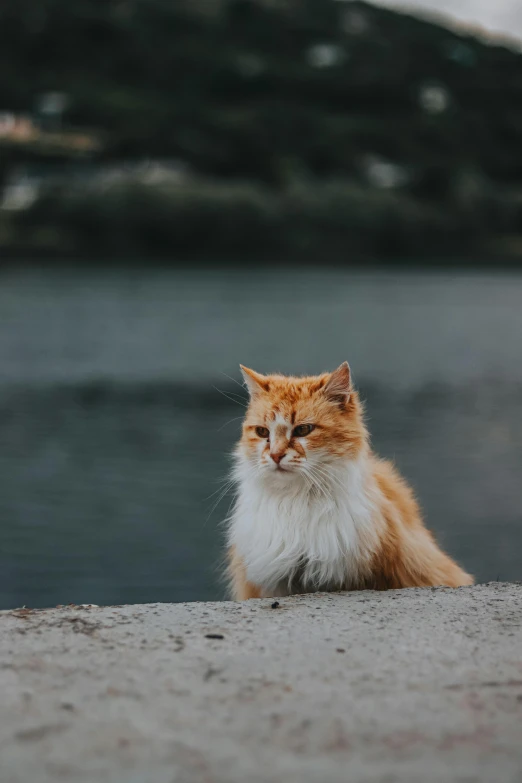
{"type": "Point", "coordinates": [263, 432]}
{"type": "Point", "coordinates": [303, 430]}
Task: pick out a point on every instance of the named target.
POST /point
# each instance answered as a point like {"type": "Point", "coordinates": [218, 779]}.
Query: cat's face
{"type": "Point", "coordinates": [300, 425]}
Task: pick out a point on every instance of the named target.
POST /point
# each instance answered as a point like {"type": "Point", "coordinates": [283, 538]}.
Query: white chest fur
{"type": "Point", "coordinates": [321, 539]}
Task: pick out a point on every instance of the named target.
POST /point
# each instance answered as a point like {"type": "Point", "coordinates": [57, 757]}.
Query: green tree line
{"type": "Point", "coordinates": [276, 108]}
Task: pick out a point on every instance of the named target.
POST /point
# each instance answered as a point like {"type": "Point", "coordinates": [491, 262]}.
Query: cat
{"type": "Point", "coordinates": [316, 510]}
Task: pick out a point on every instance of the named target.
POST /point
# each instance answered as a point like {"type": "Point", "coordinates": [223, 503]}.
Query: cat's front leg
{"type": "Point", "coordinates": [240, 587]}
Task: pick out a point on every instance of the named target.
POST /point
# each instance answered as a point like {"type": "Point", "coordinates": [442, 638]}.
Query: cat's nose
{"type": "Point", "coordinates": [277, 456]}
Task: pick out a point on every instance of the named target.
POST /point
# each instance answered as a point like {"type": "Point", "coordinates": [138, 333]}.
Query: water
{"type": "Point", "coordinates": [113, 435]}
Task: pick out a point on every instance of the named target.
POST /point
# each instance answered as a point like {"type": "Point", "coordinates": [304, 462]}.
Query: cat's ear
{"type": "Point", "coordinates": [254, 380]}
{"type": "Point", "coordinates": [338, 387]}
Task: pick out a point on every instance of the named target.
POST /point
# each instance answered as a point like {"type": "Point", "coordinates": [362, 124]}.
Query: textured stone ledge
{"type": "Point", "coordinates": [401, 686]}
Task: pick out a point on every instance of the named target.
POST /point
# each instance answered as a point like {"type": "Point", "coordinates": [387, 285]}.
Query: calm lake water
{"type": "Point", "coordinates": [113, 435]}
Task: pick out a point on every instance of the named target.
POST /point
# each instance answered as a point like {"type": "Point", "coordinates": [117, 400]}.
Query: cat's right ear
{"type": "Point", "coordinates": [338, 387]}
{"type": "Point", "coordinates": [255, 382]}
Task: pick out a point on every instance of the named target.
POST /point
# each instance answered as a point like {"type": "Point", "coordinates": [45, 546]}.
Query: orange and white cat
{"type": "Point", "coordinates": [316, 509]}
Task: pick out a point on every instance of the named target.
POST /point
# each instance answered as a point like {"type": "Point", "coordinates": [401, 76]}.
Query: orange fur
{"type": "Point", "coordinates": [409, 555]}
{"type": "Point", "coordinates": [242, 588]}
{"type": "Point", "coordinates": [396, 550]}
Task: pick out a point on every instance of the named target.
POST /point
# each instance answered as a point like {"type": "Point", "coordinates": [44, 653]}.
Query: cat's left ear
{"type": "Point", "coordinates": [338, 387]}
{"type": "Point", "coordinates": [254, 380]}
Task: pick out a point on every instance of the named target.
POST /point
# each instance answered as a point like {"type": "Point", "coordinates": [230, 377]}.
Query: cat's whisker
{"type": "Point", "coordinates": [317, 482]}
{"type": "Point", "coordinates": [330, 480]}
{"type": "Point", "coordinates": [217, 502]}
{"type": "Point", "coordinates": [229, 422]}
{"type": "Point", "coordinates": [332, 477]}
{"type": "Point", "coordinates": [315, 489]}
{"type": "Point", "coordinates": [240, 396]}
{"type": "Point", "coordinates": [309, 484]}
{"type": "Point", "coordinates": [226, 480]}
{"type": "Point", "coordinates": [325, 478]}
{"type": "Point", "coordinates": [224, 490]}
{"type": "Point", "coordinates": [329, 475]}
{"type": "Point", "coordinates": [241, 385]}
{"type": "Point", "coordinates": [229, 397]}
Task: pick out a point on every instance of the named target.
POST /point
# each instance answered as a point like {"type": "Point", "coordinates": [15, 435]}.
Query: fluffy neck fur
{"type": "Point", "coordinates": [292, 535]}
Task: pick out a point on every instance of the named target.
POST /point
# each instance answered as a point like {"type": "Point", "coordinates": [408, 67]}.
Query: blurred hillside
{"type": "Point", "coordinates": [234, 128]}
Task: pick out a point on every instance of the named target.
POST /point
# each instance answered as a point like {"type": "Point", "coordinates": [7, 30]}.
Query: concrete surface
{"type": "Point", "coordinates": [409, 686]}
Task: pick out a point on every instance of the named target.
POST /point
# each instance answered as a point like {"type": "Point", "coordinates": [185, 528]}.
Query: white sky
{"type": "Point", "coordinates": [497, 16]}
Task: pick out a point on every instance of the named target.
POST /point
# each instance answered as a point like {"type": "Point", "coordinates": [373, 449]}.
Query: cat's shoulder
{"type": "Point", "coordinates": [392, 484]}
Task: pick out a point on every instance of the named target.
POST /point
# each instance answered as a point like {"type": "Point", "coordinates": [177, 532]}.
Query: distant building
{"type": "Point", "coordinates": [25, 184]}
{"type": "Point", "coordinates": [325, 55]}
{"type": "Point", "coordinates": [7, 123]}
{"type": "Point", "coordinates": [20, 192]}
{"type": "Point", "coordinates": [50, 108]}
{"type": "Point", "coordinates": [16, 127]}
{"type": "Point", "coordinates": [384, 174]}
{"type": "Point", "coordinates": [434, 98]}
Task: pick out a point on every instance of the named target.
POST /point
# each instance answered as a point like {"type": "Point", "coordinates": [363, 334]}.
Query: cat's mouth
{"type": "Point", "coordinates": [279, 468]}
{"type": "Point", "coordinates": [273, 468]}
{"type": "Point", "coordinates": [283, 469]}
